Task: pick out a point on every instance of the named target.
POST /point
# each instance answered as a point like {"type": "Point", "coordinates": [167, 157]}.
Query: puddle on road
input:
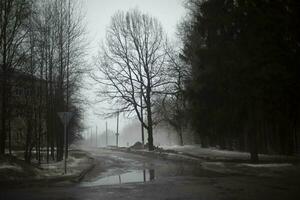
{"type": "Point", "coordinates": [136, 176]}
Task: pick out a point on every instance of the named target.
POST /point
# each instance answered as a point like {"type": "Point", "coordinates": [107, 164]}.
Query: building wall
{"type": "Point", "coordinates": [24, 104]}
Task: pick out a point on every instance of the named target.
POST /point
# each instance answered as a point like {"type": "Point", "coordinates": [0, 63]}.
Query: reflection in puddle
{"type": "Point", "coordinates": [136, 176]}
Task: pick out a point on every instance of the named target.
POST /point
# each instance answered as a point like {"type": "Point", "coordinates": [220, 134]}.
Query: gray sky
{"type": "Point", "coordinates": [98, 15]}
{"type": "Point", "coordinates": [99, 12]}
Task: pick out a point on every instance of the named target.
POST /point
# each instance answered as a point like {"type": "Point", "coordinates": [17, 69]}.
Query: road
{"type": "Point", "coordinates": [120, 175]}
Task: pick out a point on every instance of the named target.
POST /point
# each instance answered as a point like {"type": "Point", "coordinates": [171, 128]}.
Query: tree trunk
{"type": "Point", "coordinates": [36, 136]}
{"type": "Point", "coordinates": [47, 147]}
{"type": "Point", "coordinates": [150, 139]}
{"type": "Point", "coordinates": [252, 138]}
{"type": "Point", "coordinates": [39, 140]}
{"type": "Point", "coordinates": [180, 136]}
{"type": "Point", "coordinates": [3, 115]}
{"type": "Point", "coordinates": [9, 136]}
{"type": "Point", "coordinates": [150, 129]}
{"type": "Point", "coordinates": [149, 118]}
{"type": "Point", "coordinates": [27, 154]}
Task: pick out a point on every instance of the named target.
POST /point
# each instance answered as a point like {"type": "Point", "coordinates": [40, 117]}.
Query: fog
{"type": "Point", "coordinates": [97, 19]}
{"type": "Point", "coordinates": [164, 135]}
{"type": "Point", "coordinates": [212, 85]}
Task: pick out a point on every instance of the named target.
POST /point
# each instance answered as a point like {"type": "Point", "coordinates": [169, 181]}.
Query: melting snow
{"type": "Point", "coordinates": [268, 165]}
{"type": "Point", "coordinates": [5, 166]}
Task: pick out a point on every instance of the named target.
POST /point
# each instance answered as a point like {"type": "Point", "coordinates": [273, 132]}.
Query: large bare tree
{"type": "Point", "coordinates": [132, 63]}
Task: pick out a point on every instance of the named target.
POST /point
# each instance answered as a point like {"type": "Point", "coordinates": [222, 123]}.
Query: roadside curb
{"type": "Point", "coordinates": [86, 170]}
{"type": "Point", "coordinates": [228, 167]}
{"type": "Point", "coordinates": [162, 155]}
{"type": "Point", "coordinates": [186, 157]}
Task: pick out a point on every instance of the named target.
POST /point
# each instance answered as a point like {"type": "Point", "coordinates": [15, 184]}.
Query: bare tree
{"type": "Point", "coordinates": [13, 15]}
{"type": "Point", "coordinates": [62, 47]}
{"type": "Point", "coordinates": [132, 66]}
{"type": "Point", "coordinates": [171, 107]}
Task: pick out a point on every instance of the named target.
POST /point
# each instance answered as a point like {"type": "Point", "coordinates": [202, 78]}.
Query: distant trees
{"type": "Point", "coordinates": [50, 52]}
{"type": "Point", "coordinates": [171, 108]}
{"type": "Point", "coordinates": [132, 64]}
{"type": "Point", "coordinates": [244, 86]}
{"type": "Point", "coordinates": [60, 45]}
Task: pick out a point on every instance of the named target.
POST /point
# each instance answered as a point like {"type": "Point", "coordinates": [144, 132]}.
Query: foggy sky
{"type": "Point", "coordinates": [98, 14]}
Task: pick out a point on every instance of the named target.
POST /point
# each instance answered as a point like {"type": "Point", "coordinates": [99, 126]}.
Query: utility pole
{"type": "Point", "coordinates": [91, 136]}
{"type": "Point", "coordinates": [106, 136]}
{"type": "Point", "coordinates": [96, 136]}
{"type": "Point", "coordinates": [117, 134]}
{"type": "Point", "coordinates": [142, 117]}
{"type": "Point", "coordinates": [142, 114]}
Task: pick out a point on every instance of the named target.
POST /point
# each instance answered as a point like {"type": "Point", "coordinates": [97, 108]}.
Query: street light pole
{"type": "Point", "coordinates": [142, 117]}
{"type": "Point", "coordinates": [117, 134]}
{"type": "Point", "coordinates": [91, 137]}
{"type": "Point", "coordinates": [106, 136]}
{"type": "Point", "coordinates": [96, 136]}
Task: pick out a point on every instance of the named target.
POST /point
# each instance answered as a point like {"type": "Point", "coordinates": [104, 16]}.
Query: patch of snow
{"type": "Point", "coordinates": [73, 162]}
{"type": "Point", "coordinates": [220, 164]}
{"type": "Point", "coordinates": [57, 168]}
{"type": "Point", "coordinates": [273, 165]}
{"type": "Point", "coordinates": [5, 166]}
{"type": "Point", "coordinates": [47, 166]}
{"type": "Point", "coordinates": [217, 167]}
{"type": "Point", "coordinates": [198, 150]}
{"type": "Point", "coordinates": [215, 153]}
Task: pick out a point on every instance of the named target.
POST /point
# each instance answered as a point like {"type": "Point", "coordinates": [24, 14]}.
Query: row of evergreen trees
{"type": "Point", "coordinates": [244, 88]}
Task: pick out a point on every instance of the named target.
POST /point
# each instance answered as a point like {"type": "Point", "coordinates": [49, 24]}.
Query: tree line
{"type": "Point", "coordinates": [233, 80]}
{"type": "Point", "coordinates": [42, 51]}
{"type": "Point", "coordinates": [243, 92]}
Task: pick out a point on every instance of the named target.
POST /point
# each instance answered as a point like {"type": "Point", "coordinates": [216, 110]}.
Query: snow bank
{"type": "Point", "coordinates": [74, 166]}
{"type": "Point", "coordinates": [197, 150]}
{"type": "Point", "coordinates": [213, 153]}
{"type": "Point", "coordinates": [5, 166]}
{"type": "Point", "coordinates": [273, 165]}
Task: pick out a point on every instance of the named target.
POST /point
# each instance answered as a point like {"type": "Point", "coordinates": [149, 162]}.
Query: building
{"type": "Point", "coordinates": [25, 107]}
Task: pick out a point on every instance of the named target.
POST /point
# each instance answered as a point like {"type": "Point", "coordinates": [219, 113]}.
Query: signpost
{"type": "Point", "coordinates": [106, 136]}
{"type": "Point", "coordinates": [117, 134]}
{"type": "Point", "coordinates": [96, 136]}
{"type": "Point", "coordinates": [65, 118]}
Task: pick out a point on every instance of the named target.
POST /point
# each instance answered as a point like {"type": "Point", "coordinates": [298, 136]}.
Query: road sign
{"type": "Point", "coordinates": [65, 118]}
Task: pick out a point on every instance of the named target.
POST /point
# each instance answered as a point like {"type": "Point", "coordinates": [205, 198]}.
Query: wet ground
{"type": "Point", "coordinates": [119, 175]}
{"type": "Point", "coordinates": [135, 176]}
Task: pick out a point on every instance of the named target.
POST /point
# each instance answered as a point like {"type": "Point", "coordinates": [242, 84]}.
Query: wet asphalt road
{"type": "Point", "coordinates": [119, 175]}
